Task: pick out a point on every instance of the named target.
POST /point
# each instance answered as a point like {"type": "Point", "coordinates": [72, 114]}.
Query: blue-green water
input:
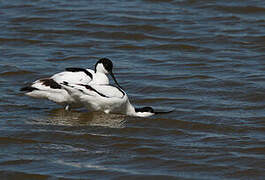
{"type": "Point", "coordinates": [205, 59]}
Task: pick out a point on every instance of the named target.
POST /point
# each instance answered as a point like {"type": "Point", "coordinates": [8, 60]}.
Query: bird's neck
{"type": "Point", "coordinates": [100, 69]}
{"type": "Point", "coordinates": [131, 111]}
{"type": "Point", "coordinates": [100, 78]}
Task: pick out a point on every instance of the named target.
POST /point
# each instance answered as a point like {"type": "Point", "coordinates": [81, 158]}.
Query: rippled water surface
{"type": "Point", "coordinates": [204, 59]}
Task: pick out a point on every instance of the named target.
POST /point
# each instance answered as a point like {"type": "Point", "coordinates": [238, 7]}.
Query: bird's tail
{"type": "Point", "coordinates": [28, 89]}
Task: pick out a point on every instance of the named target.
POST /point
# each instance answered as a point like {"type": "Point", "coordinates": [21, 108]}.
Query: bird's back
{"type": "Point", "coordinates": [72, 77]}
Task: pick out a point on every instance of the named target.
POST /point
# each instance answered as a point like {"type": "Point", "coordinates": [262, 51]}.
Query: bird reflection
{"type": "Point", "coordinates": [77, 118]}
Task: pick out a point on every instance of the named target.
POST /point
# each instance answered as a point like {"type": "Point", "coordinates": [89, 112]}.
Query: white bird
{"type": "Point", "coordinates": [50, 88]}
{"type": "Point", "coordinates": [106, 98]}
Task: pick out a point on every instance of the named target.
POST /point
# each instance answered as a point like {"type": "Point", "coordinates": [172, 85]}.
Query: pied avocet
{"type": "Point", "coordinates": [106, 98]}
{"type": "Point", "coordinates": [50, 88]}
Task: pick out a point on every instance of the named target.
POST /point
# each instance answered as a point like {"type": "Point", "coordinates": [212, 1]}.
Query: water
{"type": "Point", "coordinates": [204, 59]}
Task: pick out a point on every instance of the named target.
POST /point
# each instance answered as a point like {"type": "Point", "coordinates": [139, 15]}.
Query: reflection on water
{"type": "Point", "coordinates": [202, 58]}
{"type": "Point", "coordinates": [77, 118]}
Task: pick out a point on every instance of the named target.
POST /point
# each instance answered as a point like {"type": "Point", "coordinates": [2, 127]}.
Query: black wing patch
{"type": "Point", "coordinates": [80, 70]}
{"type": "Point", "coordinates": [92, 89]}
{"type": "Point", "coordinates": [51, 83]}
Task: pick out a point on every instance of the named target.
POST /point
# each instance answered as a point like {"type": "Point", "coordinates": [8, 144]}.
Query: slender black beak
{"type": "Point", "coordinates": [163, 112]}
{"type": "Point", "coordinates": [112, 75]}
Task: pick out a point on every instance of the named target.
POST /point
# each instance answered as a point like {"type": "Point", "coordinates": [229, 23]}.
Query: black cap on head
{"type": "Point", "coordinates": [145, 109]}
{"type": "Point", "coordinates": [108, 66]}
{"type": "Point", "coordinates": [106, 63]}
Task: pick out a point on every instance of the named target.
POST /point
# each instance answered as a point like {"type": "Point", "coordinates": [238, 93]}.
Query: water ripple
{"type": "Point", "coordinates": [201, 59]}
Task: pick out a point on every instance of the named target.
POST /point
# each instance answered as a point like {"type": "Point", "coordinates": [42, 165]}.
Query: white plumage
{"type": "Point", "coordinates": [77, 87]}
{"type": "Point", "coordinates": [50, 88]}
{"type": "Point", "coordinates": [106, 98]}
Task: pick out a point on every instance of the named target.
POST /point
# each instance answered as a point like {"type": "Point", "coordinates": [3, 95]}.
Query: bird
{"type": "Point", "coordinates": [50, 88]}
{"type": "Point", "coordinates": [106, 98]}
